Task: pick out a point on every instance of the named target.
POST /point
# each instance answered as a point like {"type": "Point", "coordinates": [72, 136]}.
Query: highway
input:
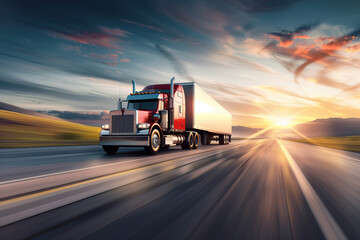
{"type": "Point", "coordinates": [249, 189]}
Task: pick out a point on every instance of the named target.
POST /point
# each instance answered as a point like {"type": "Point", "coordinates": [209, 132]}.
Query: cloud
{"type": "Point", "coordinates": [179, 67]}
{"type": "Point", "coordinates": [112, 63]}
{"type": "Point", "coordinates": [107, 37]}
{"type": "Point", "coordinates": [265, 5]}
{"type": "Point", "coordinates": [287, 92]}
{"type": "Point", "coordinates": [115, 32]}
{"type": "Point", "coordinates": [327, 50]}
{"type": "Point", "coordinates": [143, 25]}
{"type": "Point", "coordinates": [73, 48]}
{"type": "Point", "coordinates": [110, 56]}
{"type": "Point", "coordinates": [286, 38]}
{"type": "Point", "coordinates": [13, 84]}
{"type": "Point", "coordinates": [296, 57]}
{"type": "Point", "coordinates": [48, 64]}
{"type": "Point", "coordinates": [353, 48]}
{"type": "Point", "coordinates": [110, 59]}
{"type": "Point", "coordinates": [326, 104]}
{"type": "Point", "coordinates": [125, 60]}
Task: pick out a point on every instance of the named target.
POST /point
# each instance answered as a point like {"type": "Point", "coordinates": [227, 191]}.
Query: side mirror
{"type": "Point", "coordinates": [156, 117]}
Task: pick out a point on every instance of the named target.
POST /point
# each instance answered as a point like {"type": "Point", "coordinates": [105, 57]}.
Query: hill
{"type": "Point", "coordinates": [244, 132]}
{"type": "Point", "coordinates": [22, 130]}
{"type": "Point", "coordinates": [330, 127]}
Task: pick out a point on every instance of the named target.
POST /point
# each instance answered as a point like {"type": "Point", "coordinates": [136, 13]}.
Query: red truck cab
{"type": "Point", "coordinates": [164, 101]}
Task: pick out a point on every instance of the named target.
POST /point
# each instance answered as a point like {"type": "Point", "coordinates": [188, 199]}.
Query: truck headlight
{"type": "Point", "coordinates": [105, 127]}
{"type": "Point", "coordinates": [143, 125]}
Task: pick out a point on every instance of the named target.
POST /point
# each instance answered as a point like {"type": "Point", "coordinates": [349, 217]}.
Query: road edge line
{"type": "Point", "coordinates": [326, 222]}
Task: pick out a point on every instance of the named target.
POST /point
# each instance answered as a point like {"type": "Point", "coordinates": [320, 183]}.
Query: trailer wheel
{"type": "Point", "coordinates": [155, 142]}
{"type": "Point", "coordinates": [203, 138]}
{"type": "Point", "coordinates": [110, 149]}
{"type": "Point", "coordinates": [221, 139]}
{"type": "Point", "coordinates": [196, 141]}
{"type": "Point", "coordinates": [227, 139]}
{"type": "Point", "coordinates": [208, 139]}
{"type": "Point", "coordinates": [189, 142]}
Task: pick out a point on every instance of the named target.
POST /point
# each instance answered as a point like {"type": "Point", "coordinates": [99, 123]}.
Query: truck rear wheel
{"type": "Point", "coordinates": [155, 141]}
{"type": "Point", "coordinates": [110, 149]}
{"type": "Point", "coordinates": [196, 140]}
{"type": "Point", "coordinates": [189, 142]}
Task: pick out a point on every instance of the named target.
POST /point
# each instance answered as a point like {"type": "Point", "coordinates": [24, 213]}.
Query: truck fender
{"type": "Point", "coordinates": [156, 125]}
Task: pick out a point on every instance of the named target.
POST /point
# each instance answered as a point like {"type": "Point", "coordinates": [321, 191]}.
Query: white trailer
{"type": "Point", "coordinates": [204, 114]}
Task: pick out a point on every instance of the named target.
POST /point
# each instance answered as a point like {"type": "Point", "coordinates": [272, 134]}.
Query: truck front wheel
{"type": "Point", "coordinates": [155, 141]}
{"type": "Point", "coordinates": [111, 149]}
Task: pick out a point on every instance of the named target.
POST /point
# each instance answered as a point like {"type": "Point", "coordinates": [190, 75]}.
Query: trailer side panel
{"type": "Point", "coordinates": [204, 113]}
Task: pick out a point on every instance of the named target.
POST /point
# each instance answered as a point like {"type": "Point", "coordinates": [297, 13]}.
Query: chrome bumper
{"type": "Point", "coordinates": [125, 141]}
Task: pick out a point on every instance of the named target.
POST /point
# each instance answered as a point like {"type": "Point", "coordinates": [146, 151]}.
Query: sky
{"type": "Point", "coordinates": [265, 61]}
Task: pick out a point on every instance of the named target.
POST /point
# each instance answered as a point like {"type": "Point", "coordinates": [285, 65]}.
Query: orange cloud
{"type": "Point", "coordinates": [353, 48]}
{"type": "Point", "coordinates": [106, 37]}
{"type": "Point", "coordinates": [302, 37]}
{"type": "Point", "coordinates": [286, 43]}
{"type": "Point", "coordinates": [115, 31]}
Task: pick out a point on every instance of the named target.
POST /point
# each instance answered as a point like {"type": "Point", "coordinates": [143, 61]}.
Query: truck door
{"type": "Point", "coordinates": [179, 111]}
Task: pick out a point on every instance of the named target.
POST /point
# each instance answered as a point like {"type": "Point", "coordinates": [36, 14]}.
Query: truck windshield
{"type": "Point", "coordinates": [150, 105]}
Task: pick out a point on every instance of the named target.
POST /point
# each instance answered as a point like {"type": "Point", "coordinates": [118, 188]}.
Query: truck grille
{"type": "Point", "coordinates": [121, 124]}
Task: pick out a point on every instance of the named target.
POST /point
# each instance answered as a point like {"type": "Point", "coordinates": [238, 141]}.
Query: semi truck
{"type": "Point", "coordinates": [165, 115]}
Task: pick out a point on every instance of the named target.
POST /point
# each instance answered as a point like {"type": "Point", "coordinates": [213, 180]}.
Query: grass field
{"type": "Point", "coordinates": [21, 130]}
{"type": "Point", "coordinates": [350, 143]}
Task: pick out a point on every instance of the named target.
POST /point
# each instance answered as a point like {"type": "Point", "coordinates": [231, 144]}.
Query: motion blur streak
{"type": "Point", "coordinates": [250, 189]}
{"type": "Point", "coordinates": [328, 225]}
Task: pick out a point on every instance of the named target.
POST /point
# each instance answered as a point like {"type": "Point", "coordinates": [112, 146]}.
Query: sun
{"type": "Point", "coordinates": [282, 122]}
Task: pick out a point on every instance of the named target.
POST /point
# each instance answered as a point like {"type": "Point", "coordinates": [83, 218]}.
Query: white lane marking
{"type": "Point", "coordinates": [327, 223]}
{"type": "Point", "coordinates": [142, 174]}
{"type": "Point", "coordinates": [58, 173]}
{"type": "Point", "coordinates": [97, 166]}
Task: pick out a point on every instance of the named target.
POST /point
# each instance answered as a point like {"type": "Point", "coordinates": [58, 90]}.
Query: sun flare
{"type": "Point", "coordinates": [282, 122]}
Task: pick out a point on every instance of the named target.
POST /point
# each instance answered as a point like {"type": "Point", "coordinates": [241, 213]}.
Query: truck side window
{"type": "Point", "coordinates": [179, 108]}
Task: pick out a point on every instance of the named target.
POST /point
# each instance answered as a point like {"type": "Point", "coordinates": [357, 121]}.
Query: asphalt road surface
{"type": "Point", "coordinates": [259, 189]}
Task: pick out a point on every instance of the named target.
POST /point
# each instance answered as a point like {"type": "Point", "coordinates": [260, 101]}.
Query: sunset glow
{"type": "Point", "coordinates": [283, 122]}
{"type": "Point", "coordinates": [252, 60]}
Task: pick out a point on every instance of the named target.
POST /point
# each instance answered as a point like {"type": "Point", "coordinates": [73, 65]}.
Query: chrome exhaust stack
{"type": "Point", "coordinates": [134, 86]}
{"type": "Point", "coordinates": [172, 87]}
{"type": "Point", "coordinates": [171, 105]}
